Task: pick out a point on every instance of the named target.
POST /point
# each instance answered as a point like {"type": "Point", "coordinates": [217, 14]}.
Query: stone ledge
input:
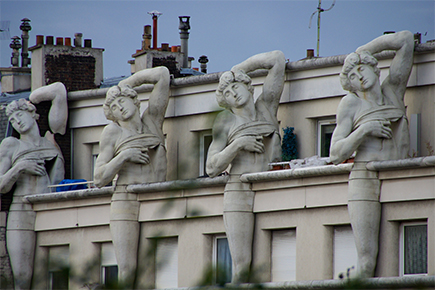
{"type": "Point", "coordinates": [411, 282]}
{"type": "Point", "coordinates": [68, 195]}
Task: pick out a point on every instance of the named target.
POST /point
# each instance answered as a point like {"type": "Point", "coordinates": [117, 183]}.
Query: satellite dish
{"type": "Point", "coordinates": [4, 30]}
{"type": "Point", "coordinates": [318, 11]}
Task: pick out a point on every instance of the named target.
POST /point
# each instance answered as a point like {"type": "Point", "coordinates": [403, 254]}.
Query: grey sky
{"type": "Point", "coordinates": [226, 31]}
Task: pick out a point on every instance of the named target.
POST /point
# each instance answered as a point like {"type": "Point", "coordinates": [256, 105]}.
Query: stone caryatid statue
{"type": "Point", "coordinates": [28, 165]}
{"type": "Point", "coordinates": [371, 120]}
{"type": "Point", "coordinates": [245, 135]}
{"type": "Point", "coordinates": [132, 147]}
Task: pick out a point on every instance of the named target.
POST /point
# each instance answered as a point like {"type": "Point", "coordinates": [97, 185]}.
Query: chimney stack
{"type": "Point", "coordinates": [15, 45]}
{"type": "Point", "coordinates": [25, 28]}
{"type": "Point", "coordinates": [184, 36]}
{"type": "Point", "coordinates": [78, 39]}
{"type": "Point", "coordinates": [146, 43]}
{"type": "Point", "coordinates": [310, 53]}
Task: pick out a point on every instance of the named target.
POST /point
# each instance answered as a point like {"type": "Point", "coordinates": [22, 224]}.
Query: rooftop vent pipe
{"type": "Point", "coordinates": [15, 45]}
{"type": "Point", "coordinates": [155, 14]}
{"type": "Point", "coordinates": [184, 36]}
{"type": "Point", "coordinates": [25, 28]}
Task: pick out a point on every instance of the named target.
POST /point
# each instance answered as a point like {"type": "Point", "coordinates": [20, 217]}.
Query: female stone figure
{"type": "Point", "coordinates": [245, 135]}
{"type": "Point", "coordinates": [28, 166]}
{"type": "Point", "coordinates": [132, 147]}
{"type": "Point", "coordinates": [371, 120]}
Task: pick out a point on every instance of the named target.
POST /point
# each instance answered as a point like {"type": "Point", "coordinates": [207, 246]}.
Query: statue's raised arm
{"type": "Point", "coordinates": [400, 68]}
{"type": "Point", "coordinates": [58, 114]}
{"type": "Point", "coordinates": [159, 98]}
{"type": "Point", "coordinates": [273, 86]}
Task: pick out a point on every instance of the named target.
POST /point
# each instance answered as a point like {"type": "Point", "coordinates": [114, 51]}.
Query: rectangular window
{"type": "Point", "coordinates": [325, 128]}
{"type": "Point", "coordinates": [283, 255]}
{"type": "Point", "coordinates": [166, 263]}
{"type": "Point", "coordinates": [205, 139]}
{"type": "Point", "coordinates": [58, 267]}
{"type": "Point", "coordinates": [222, 261]}
{"type": "Point", "coordinates": [413, 248]}
{"type": "Point", "coordinates": [109, 267]}
{"type": "Point", "coordinates": [345, 257]}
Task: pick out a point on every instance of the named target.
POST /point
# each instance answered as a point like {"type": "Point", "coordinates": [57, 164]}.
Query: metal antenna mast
{"type": "Point", "coordinates": [318, 11]}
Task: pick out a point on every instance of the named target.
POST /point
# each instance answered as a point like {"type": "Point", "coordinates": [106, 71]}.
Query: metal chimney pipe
{"type": "Point", "coordinates": [155, 14]}
{"type": "Point", "coordinates": [184, 36]}
{"type": "Point", "coordinates": [25, 28]}
{"type": "Point", "coordinates": [15, 45]}
{"type": "Point", "coordinates": [203, 60]}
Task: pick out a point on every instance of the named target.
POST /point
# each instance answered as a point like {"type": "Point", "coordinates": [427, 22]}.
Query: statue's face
{"type": "Point", "coordinates": [237, 95]}
{"type": "Point", "coordinates": [22, 121]}
{"type": "Point", "coordinates": [362, 77]}
{"type": "Point", "coordinates": [123, 108]}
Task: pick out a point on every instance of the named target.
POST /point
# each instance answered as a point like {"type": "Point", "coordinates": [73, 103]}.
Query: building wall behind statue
{"type": "Point", "coordinates": [313, 206]}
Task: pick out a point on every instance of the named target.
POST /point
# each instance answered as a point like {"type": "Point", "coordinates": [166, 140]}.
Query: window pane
{"type": "Point", "coordinates": [223, 261]}
{"type": "Point", "coordinates": [110, 276]}
{"type": "Point", "coordinates": [167, 263]}
{"type": "Point", "coordinates": [415, 249]}
{"type": "Point", "coordinates": [345, 257]}
{"type": "Point", "coordinates": [207, 142]}
{"type": "Point", "coordinates": [59, 280]}
{"type": "Point", "coordinates": [325, 141]}
{"type": "Point", "coordinates": [283, 255]}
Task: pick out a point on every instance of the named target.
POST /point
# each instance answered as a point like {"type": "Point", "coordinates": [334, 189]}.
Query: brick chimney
{"type": "Point", "coordinates": [77, 67]}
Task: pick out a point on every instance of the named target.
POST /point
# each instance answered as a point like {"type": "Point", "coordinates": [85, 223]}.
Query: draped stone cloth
{"type": "Point", "coordinates": [238, 195]}
{"type": "Point", "coordinates": [47, 152]}
{"type": "Point", "coordinates": [21, 216]}
{"type": "Point", "coordinates": [258, 128]}
{"type": "Point", "coordinates": [400, 129]}
{"type": "Point", "coordinates": [141, 141]}
{"type": "Point", "coordinates": [364, 185]}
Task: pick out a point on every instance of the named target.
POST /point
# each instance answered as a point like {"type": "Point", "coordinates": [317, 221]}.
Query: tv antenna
{"type": "Point", "coordinates": [318, 11]}
{"type": "Point", "coordinates": [4, 30]}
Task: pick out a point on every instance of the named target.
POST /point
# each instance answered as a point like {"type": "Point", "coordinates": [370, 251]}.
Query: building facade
{"type": "Point", "coordinates": [302, 229]}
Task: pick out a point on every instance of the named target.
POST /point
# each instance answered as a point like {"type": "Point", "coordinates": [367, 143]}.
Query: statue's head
{"type": "Point", "coordinates": [22, 115]}
{"type": "Point", "coordinates": [355, 59]}
{"type": "Point", "coordinates": [21, 105]}
{"type": "Point", "coordinates": [228, 78]}
{"type": "Point", "coordinates": [116, 92]}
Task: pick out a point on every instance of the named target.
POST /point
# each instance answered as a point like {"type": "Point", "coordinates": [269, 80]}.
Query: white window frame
{"type": "Point", "coordinates": [202, 154]}
{"type": "Point", "coordinates": [215, 253]}
{"type": "Point", "coordinates": [320, 123]}
{"type": "Point", "coordinates": [402, 246]}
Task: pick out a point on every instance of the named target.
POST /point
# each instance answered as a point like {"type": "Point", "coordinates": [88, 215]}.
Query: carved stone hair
{"type": "Point", "coordinates": [115, 92]}
{"type": "Point", "coordinates": [353, 60]}
{"type": "Point", "coordinates": [228, 78]}
{"type": "Point", "coordinates": [21, 105]}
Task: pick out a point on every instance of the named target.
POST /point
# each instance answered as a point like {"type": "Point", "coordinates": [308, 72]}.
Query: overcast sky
{"type": "Point", "coordinates": [226, 31]}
